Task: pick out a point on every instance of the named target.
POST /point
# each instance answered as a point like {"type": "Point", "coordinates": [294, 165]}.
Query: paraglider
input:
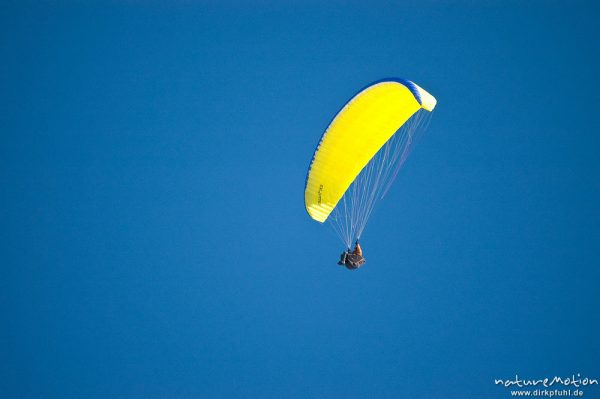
{"type": "Point", "coordinates": [352, 260]}
{"type": "Point", "coordinates": [360, 154]}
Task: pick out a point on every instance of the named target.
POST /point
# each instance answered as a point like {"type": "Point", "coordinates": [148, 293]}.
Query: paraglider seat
{"type": "Point", "coordinates": [351, 261]}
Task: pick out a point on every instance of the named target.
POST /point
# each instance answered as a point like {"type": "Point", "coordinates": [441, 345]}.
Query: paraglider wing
{"type": "Point", "coordinates": [354, 137]}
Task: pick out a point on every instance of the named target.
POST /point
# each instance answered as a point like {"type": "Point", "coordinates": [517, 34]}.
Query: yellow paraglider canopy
{"type": "Point", "coordinates": [355, 135]}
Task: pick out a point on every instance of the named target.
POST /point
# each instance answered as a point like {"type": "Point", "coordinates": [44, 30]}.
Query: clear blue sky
{"type": "Point", "coordinates": [154, 242]}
